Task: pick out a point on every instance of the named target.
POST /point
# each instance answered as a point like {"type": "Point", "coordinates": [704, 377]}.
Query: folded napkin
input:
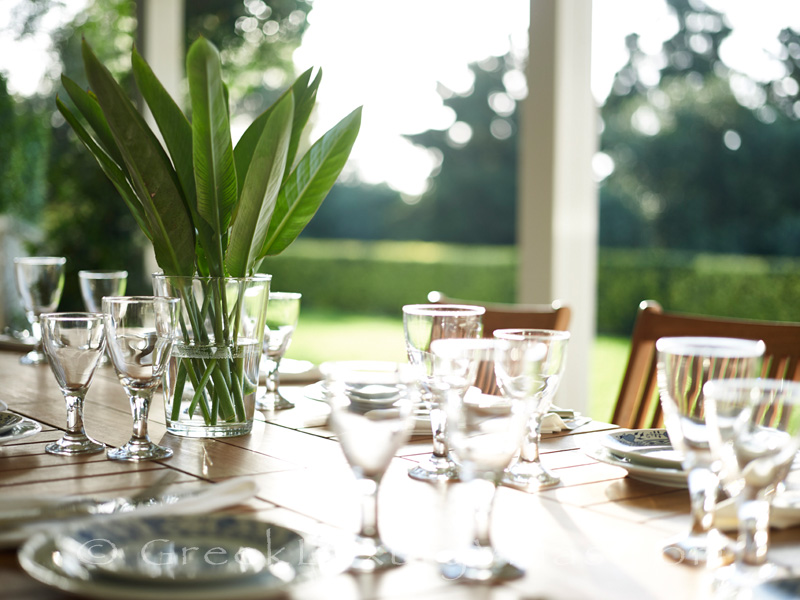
{"type": "Point", "coordinates": [553, 423]}
{"type": "Point", "coordinates": [199, 501]}
{"type": "Point", "coordinates": [780, 517]}
{"type": "Point", "coordinates": [3, 405]}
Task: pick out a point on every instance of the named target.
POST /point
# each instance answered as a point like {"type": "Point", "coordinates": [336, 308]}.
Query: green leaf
{"type": "Point", "coordinates": [214, 171]}
{"type": "Point", "coordinates": [150, 170]}
{"type": "Point", "coordinates": [309, 183]}
{"type": "Point", "coordinates": [303, 95]}
{"type": "Point", "coordinates": [177, 133]}
{"type": "Point", "coordinates": [90, 109]}
{"type": "Point", "coordinates": [261, 187]}
{"type": "Point", "coordinates": [112, 170]}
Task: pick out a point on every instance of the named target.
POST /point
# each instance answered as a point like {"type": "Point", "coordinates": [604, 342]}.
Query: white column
{"type": "Point", "coordinates": [557, 206]}
{"type": "Point", "coordinates": [162, 32]}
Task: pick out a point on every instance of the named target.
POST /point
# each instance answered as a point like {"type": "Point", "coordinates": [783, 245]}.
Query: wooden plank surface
{"type": "Point", "coordinates": [597, 535]}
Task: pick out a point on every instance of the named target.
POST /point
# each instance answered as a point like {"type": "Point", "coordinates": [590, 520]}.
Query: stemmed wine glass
{"type": "Point", "coordinates": [283, 311]}
{"type": "Point", "coordinates": [484, 432]}
{"type": "Point", "coordinates": [371, 413]}
{"type": "Point", "coordinates": [74, 343]}
{"type": "Point", "coordinates": [97, 284]}
{"type": "Point", "coordinates": [140, 331]}
{"type": "Point", "coordinates": [754, 430]}
{"type": "Point", "coordinates": [684, 365]}
{"type": "Point", "coordinates": [423, 324]}
{"type": "Point", "coordinates": [527, 473]}
{"type": "Point", "coordinates": [40, 280]}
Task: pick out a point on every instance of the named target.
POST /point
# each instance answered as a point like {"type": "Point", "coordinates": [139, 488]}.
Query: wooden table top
{"type": "Point", "coordinates": [597, 535]}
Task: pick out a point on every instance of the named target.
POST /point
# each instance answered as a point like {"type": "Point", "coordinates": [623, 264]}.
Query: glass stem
{"type": "Point", "coordinates": [530, 445]}
{"type": "Point", "coordinates": [483, 491]}
{"type": "Point", "coordinates": [369, 508]}
{"type": "Point", "coordinates": [753, 530]}
{"type": "Point", "coordinates": [140, 407]}
{"type": "Point", "coordinates": [703, 486]}
{"type": "Point", "coordinates": [74, 402]}
{"type": "Point", "coordinates": [273, 379]}
{"type": "Point", "coordinates": [438, 420]}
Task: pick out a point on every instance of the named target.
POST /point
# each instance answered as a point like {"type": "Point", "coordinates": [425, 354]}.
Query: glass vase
{"type": "Point", "coordinates": [211, 382]}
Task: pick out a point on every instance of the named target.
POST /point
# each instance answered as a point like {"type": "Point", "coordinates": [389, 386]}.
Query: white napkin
{"type": "Point", "coordinates": [780, 517]}
{"type": "Point", "coordinates": [209, 499]}
{"type": "Point", "coordinates": [3, 405]}
{"type": "Point", "coordinates": [552, 423]}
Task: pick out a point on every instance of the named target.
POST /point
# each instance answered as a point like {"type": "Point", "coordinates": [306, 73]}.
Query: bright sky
{"type": "Point", "coordinates": [388, 55]}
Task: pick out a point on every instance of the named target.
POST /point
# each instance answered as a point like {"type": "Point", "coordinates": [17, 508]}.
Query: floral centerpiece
{"type": "Point", "coordinates": [212, 210]}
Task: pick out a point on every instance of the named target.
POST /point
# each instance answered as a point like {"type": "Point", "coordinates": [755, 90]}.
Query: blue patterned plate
{"type": "Point", "coordinates": [649, 447]}
{"type": "Point", "coordinates": [8, 421]}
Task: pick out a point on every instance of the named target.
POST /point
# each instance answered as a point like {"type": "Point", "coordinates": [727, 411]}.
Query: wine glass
{"type": "Point", "coordinates": [484, 432]}
{"type": "Point", "coordinates": [40, 280]}
{"type": "Point", "coordinates": [423, 324]}
{"type": "Point", "coordinates": [371, 412]}
{"type": "Point", "coordinates": [754, 430]}
{"type": "Point", "coordinates": [140, 331]}
{"type": "Point", "coordinates": [684, 365]}
{"type": "Point", "coordinates": [74, 343]}
{"type": "Point", "coordinates": [283, 310]}
{"type": "Point", "coordinates": [96, 284]}
{"type": "Point", "coordinates": [527, 473]}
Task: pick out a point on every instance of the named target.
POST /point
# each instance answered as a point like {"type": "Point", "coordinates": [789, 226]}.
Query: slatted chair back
{"type": "Point", "coordinates": [638, 405]}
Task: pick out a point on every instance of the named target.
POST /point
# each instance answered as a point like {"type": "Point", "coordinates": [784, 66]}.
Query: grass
{"type": "Point", "coordinates": [327, 335]}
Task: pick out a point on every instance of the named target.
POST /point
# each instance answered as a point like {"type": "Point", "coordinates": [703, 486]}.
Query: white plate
{"type": "Point", "coordinates": [21, 430]}
{"type": "Point", "coordinates": [648, 447]}
{"type": "Point", "coordinates": [655, 475]}
{"type": "Point", "coordinates": [44, 560]}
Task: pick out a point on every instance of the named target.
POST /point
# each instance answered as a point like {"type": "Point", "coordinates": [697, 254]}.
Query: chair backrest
{"type": "Point", "coordinates": [517, 316]}
{"type": "Point", "coordinates": [509, 316]}
{"type": "Point", "coordinates": [638, 405]}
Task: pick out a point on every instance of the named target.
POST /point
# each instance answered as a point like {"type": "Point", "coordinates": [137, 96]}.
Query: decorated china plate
{"type": "Point", "coordinates": [655, 475]}
{"type": "Point", "coordinates": [646, 447]}
{"type": "Point", "coordinates": [179, 557]}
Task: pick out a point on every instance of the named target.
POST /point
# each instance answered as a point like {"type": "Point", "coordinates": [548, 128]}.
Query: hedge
{"type": "Point", "coordinates": [379, 277]}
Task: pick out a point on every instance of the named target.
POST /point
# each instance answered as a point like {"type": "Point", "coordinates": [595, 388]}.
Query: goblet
{"type": "Point", "coordinates": [527, 473]}
{"type": "Point", "coordinates": [371, 413]}
{"type": "Point", "coordinates": [140, 331]}
{"type": "Point", "coordinates": [40, 280]}
{"type": "Point", "coordinates": [684, 365]}
{"type": "Point", "coordinates": [754, 430]}
{"type": "Point", "coordinates": [283, 310]}
{"type": "Point", "coordinates": [423, 324]}
{"type": "Point", "coordinates": [484, 432]}
{"type": "Point", "coordinates": [74, 343]}
{"type": "Point", "coordinates": [97, 284]}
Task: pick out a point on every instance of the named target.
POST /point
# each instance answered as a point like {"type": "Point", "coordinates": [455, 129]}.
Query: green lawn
{"type": "Point", "coordinates": [322, 336]}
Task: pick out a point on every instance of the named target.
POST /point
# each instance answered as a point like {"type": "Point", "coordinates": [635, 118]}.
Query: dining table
{"type": "Point", "coordinates": [598, 534]}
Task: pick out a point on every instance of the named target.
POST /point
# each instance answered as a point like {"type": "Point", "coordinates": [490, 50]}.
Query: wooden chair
{"type": "Point", "coordinates": [509, 316]}
{"type": "Point", "coordinates": [518, 316]}
{"type": "Point", "coordinates": [638, 405]}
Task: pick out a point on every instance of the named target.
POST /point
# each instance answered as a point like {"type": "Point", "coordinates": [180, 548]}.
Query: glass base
{"type": "Point", "coordinates": [435, 469]}
{"type": "Point", "coordinates": [741, 581]}
{"type": "Point", "coordinates": [136, 451]}
{"type": "Point", "coordinates": [373, 555]}
{"type": "Point", "coordinates": [197, 429]}
{"type": "Point", "coordinates": [477, 564]}
{"type": "Point", "coordinates": [273, 401]}
{"type": "Point", "coordinates": [711, 549]}
{"type": "Point", "coordinates": [34, 357]}
{"type": "Point", "coordinates": [74, 444]}
{"type": "Point", "coordinates": [529, 477]}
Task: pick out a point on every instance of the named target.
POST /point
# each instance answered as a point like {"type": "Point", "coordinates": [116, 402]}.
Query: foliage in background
{"type": "Point", "coordinates": [79, 212]}
{"type": "Point", "coordinates": [379, 277]}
